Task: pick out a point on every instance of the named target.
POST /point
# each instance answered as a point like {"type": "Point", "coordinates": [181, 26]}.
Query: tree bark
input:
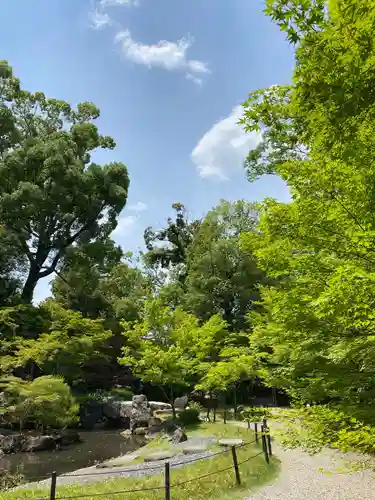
{"type": "Point", "coordinates": [29, 286]}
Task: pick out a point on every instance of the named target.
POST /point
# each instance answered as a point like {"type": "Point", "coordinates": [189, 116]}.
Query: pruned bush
{"type": "Point", "coordinates": [189, 416]}
{"type": "Point", "coordinates": [46, 401]}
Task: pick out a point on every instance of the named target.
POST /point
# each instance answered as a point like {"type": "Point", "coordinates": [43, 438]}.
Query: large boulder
{"type": "Point", "coordinates": [181, 403]}
{"type": "Point", "coordinates": [154, 421]}
{"type": "Point", "coordinates": [91, 413]}
{"type": "Point", "coordinates": [140, 412]}
{"type": "Point", "coordinates": [179, 436]}
{"type": "Point", "coordinates": [39, 443]}
{"type": "Point", "coordinates": [158, 405]}
{"type": "Point", "coordinates": [66, 437]}
{"type": "Point", "coordinates": [11, 443]}
{"type": "Point", "coordinates": [118, 411]}
{"type": "Point", "coordinates": [167, 427]}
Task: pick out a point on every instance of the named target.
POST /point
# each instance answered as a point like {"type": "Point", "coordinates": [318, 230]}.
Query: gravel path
{"type": "Point", "coordinates": [301, 479]}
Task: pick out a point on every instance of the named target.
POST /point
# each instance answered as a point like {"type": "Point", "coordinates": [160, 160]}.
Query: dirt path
{"type": "Point", "coordinates": [301, 479]}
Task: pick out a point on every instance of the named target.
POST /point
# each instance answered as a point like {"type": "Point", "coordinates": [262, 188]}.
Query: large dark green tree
{"type": "Point", "coordinates": [77, 285]}
{"type": "Point", "coordinates": [51, 195]}
{"type": "Point", "coordinates": [167, 247]}
{"type": "Point", "coordinates": [221, 278]}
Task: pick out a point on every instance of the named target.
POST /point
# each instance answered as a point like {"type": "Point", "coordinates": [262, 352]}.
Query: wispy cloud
{"type": "Point", "coordinates": [119, 3]}
{"type": "Point", "coordinates": [99, 19]}
{"type": "Point", "coordinates": [220, 153]}
{"type": "Point", "coordinates": [137, 207]}
{"type": "Point", "coordinates": [171, 56]}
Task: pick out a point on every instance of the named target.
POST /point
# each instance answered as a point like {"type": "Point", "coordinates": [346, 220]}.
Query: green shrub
{"type": "Point", "coordinates": [123, 393]}
{"type": "Point", "coordinates": [315, 427]}
{"type": "Point", "coordinates": [101, 396]}
{"type": "Point", "coordinates": [193, 405]}
{"type": "Point", "coordinates": [255, 414]}
{"type": "Point", "coordinates": [189, 416]}
{"type": "Point", "coordinates": [46, 401]}
{"type": "Point", "coordinates": [9, 480]}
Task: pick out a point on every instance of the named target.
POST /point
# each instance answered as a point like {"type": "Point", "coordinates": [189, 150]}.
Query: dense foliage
{"type": "Point", "coordinates": [46, 401]}
{"type": "Point", "coordinates": [282, 292]}
{"type": "Point", "coordinates": [315, 334]}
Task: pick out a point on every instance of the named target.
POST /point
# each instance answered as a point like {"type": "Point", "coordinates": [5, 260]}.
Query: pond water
{"type": "Point", "coordinates": [96, 446]}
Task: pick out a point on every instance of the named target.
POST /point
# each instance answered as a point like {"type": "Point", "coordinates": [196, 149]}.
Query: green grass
{"type": "Point", "coordinates": [220, 486]}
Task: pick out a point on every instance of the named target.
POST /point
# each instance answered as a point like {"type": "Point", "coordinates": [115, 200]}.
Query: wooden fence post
{"type": "Point", "coordinates": [264, 445]}
{"type": "Point", "coordinates": [225, 416]}
{"type": "Point", "coordinates": [167, 481]}
{"type": "Point", "coordinates": [235, 465]}
{"type": "Point", "coordinates": [52, 494]}
{"type": "Point", "coordinates": [269, 443]}
{"type": "Point", "coordinates": [256, 432]}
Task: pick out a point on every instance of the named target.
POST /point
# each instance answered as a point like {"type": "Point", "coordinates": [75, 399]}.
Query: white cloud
{"type": "Point", "coordinates": [195, 79]}
{"type": "Point", "coordinates": [171, 56]}
{"type": "Point", "coordinates": [223, 149]}
{"type": "Point", "coordinates": [99, 19]}
{"type": "Point", "coordinates": [138, 207]}
{"type": "Point", "coordinates": [125, 225]}
{"type": "Point", "coordinates": [118, 3]}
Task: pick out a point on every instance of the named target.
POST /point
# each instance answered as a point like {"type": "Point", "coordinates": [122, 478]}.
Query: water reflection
{"type": "Point", "coordinates": [95, 447]}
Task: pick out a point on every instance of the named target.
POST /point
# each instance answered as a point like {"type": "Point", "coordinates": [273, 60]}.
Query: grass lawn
{"type": "Point", "coordinates": [221, 486]}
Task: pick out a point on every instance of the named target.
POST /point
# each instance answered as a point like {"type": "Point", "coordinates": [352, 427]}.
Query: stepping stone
{"type": "Point", "coordinates": [118, 462]}
{"type": "Point", "coordinates": [230, 442]}
{"type": "Point", "coordinates": [160, 455]}
{"type": "Point", "coordinates": [187, 450]}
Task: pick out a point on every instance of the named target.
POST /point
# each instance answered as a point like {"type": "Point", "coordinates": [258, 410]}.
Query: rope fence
{"type": "Point", "coordinates": [264, 435]}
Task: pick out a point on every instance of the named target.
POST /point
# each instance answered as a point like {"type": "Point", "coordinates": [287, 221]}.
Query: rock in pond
{"type": "Point", "coordinates": [126, 434]}
{"type": "Point", "coordinates": [117, 410]}
{"type": "Point", "coordinates": [67, 437]}
{"type": "Point", "coordinates": [11, 443]}
{"type": "Point", "coordinates": [141, 431]}
{"type": "Point", "coordinates": [140, 412]}
{"type": "Point", "coordinates": [39, 443]}
{"type": "Point", "coordinates": [91, 413]}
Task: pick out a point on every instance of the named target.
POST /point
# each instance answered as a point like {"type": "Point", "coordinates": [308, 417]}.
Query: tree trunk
{"type": "Point", "coordinates": [29, 286]}
{"type": "Point", "coordinates": [172, 401]}
{"type": "Point", "coordinates": [235, 401]}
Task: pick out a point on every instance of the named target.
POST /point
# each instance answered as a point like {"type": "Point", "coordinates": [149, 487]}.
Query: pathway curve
{"type": "Point", "coordinates": [301, 479]}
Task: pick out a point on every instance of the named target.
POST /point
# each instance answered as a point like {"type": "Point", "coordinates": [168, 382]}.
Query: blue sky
{"type": "Point", "coordinates": [168, 76]}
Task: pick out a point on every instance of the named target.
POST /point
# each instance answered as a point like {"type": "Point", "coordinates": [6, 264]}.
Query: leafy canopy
{"type": "Point", "coordinates": [51, 195]}
{"type": "Point", "coordinates": [315, 336]}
